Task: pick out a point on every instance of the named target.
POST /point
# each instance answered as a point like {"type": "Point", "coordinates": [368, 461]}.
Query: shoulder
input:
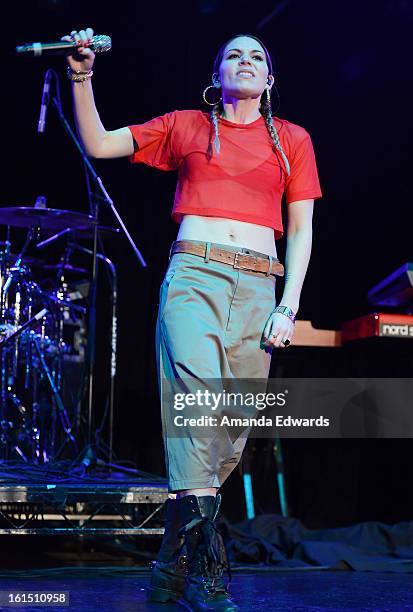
{"type": "Point", "coordinates": [295, 139]}
{"type": "Point", "coordinates": [293, 133]}
{"type": "Point", "coordinates": [188, 117]}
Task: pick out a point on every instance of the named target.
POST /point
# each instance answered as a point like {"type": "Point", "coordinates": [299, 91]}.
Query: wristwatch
{"type": "Point", "coordinates": [287, 311]}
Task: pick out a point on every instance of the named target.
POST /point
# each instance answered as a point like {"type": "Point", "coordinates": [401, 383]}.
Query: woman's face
{"type": "Point", "coordinates": [243, 72]}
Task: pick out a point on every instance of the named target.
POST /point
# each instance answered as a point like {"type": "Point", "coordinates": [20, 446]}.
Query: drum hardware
{"type": "Point", "coordinates": [113, 344]}
{"type": "Point", "coordinates": [30, 358]}
{"type": "Point", "coordinates": [39, 352]}
{"type": "Point", "coordinates": [32, 347]}
{"type": "Point", "coordinates": [50, 296]}
{"type": "Point", "coordinates": [15, 269]}
{"type": "Point", "coordinates": [16, 428]}
{"type": "Point", "coordinates": [29, 430]}
{"type": "Point", "coordinates": [45, 218]}
{"type": "Point", "coordinates": [65, 266]}
{"type": "Point", "coordinates": [60, 406]}
{"type": "Point", "coordinates": [43, 243]}
{"type": "Point", "coordinates": [76, 232]}
{"type": "Point", "coordinates": [98, 196]}
{"type": "Point", "coordinates": [62, 267]}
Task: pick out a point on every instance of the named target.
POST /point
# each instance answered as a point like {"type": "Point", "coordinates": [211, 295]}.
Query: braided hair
{"type": "Point", "coordinates": [265, 110]}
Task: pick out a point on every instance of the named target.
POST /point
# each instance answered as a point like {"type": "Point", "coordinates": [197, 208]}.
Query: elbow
{"type": "Point", "coordinates": [96, 148]}
{"type": "Point", "coordinates": [90, 149]}
{"type": "Point", "coordinates": [95, 154]}
{"type": "Point", "coordinates": [300, 229]}
{"type": "Point", "coordinates": [90, 152]}
{"type": "Point", "coordinates": [94, 151]}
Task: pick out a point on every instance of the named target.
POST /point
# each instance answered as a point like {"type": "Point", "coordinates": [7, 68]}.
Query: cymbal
{"type": "Point", "coordinates": [45, 218]}
{"type": "Point", "coordinates": [65, 268]}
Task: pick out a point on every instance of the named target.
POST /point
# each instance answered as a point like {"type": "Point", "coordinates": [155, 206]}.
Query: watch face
{"type": "Point", "coordinates": [287, 311]}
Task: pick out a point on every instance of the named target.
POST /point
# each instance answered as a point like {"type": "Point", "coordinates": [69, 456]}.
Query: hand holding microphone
{"type": "Point", "coordinates": [77, 44]}
{"type": "Point", "coordinates": [82, 58]}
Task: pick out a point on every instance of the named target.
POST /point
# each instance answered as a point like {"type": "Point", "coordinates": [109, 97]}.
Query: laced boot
{"type": "Point", "coordinates": [169, 570]}
{"type": "Point", "coordinates": [205, 589]}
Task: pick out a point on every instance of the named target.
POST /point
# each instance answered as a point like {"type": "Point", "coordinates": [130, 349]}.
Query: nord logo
{"type": "Point", "coordinates": [404, 331]}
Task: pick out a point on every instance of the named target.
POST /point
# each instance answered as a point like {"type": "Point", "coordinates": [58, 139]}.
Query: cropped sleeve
{"type": "Point", "coordinates": [303, 182]}
{"type": "Point", "coordinates": [154, 143]}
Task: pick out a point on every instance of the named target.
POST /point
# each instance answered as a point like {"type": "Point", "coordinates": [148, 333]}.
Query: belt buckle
{"type": "Point", "coordinates": [238, 266]}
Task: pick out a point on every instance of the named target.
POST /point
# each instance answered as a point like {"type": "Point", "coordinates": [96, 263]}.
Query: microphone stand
{"type": "Point", "coordinates": [104, 197]}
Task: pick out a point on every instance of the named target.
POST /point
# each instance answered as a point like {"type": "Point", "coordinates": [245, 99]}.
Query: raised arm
{"type": "Point", "coordinates": [97, 141]}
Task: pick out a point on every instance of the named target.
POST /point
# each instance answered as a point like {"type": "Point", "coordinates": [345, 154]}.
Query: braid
{"type": "Point", "coordinates": [267, 114]}
{"type": "Point", "coordinates": [213, 117]}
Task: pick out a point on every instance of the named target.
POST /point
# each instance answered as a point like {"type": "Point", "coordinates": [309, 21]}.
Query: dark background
{"type": "Point", "coordinates": [344, 72]}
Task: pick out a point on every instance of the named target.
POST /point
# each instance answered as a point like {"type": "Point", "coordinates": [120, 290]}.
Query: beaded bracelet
{"type": "Point", "coordinates": [286, 311]}
{"type": "Point", "coordinates": [79, 76]}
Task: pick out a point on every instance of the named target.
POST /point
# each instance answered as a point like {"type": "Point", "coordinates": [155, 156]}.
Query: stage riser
{"type": "Point", "coordinates": [35, 509]}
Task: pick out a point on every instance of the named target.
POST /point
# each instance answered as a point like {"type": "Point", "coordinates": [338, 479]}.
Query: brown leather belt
{"type": "Point", "coordinates": [237, 259]}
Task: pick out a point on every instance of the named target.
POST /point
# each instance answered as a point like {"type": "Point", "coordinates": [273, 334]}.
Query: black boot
{"type": "Point", "coordinates": [205, 590]}
{"type": "Point", "coordinates": [169, 570]}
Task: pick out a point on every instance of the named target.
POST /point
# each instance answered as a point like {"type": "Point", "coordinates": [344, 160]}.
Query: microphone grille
{"type": "Point", "coordinates": [101, 43]}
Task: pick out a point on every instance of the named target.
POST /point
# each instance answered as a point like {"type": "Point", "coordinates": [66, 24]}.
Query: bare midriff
{"type": "Point", "coordinates": [228, 231]}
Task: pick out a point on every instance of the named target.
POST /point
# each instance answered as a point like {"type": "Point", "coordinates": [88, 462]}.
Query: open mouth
{"type": "Point", "coordinates": [245, 74]}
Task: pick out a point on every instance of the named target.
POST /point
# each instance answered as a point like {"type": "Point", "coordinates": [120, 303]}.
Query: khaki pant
{"type": "Point", "coordinates": [210, 323]}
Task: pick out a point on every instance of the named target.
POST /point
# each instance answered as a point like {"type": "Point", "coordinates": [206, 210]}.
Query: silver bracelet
{"type": "Point", "coordinates": [78, 76]}
{"type": "Point", "coordinates": [286, 311]}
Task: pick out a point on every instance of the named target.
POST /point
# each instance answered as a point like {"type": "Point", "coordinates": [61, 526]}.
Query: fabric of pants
{"type": "Point", "coordinates": [210, 326]}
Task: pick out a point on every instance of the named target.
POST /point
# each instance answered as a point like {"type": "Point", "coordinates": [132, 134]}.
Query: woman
{"type": "Point", "coordinates": [216, 314]}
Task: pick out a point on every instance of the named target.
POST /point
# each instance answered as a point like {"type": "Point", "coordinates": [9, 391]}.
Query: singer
{"type": "Point", "coordinates": [217, 315]}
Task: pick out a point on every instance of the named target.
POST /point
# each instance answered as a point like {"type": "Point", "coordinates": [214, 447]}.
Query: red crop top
{"type": "Point", "coordinates": [246, 181]}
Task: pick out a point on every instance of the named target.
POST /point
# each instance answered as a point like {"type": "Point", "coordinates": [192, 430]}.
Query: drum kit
{"type": "Point", "coordinates": [45, 309]}
{"type": "Point", "coordinates": [43, 314]}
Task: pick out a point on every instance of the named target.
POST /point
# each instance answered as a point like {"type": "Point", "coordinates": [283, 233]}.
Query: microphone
{"type": "Point", "coordinates": [99, 44]}
{"type": "Point", "coordinates": [45, 102]}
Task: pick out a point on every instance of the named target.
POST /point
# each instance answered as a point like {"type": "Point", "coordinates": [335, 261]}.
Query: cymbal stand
{"type": "Point", "coordinates": [3, 398]}
{"type": "Point", "coordinates": [5, 392]}
{"type": "Point", "coordinates": [13, 272]}
{"type": "Point", "coordinates": [104, 197]}
{"type": "Point", "coordinates": [61, 294]}
{"type": "Point", "coordinates": [58, 303]}
{"type": "Point", "coordinates": [64, 418]}
{"type": "Point", "coordinates": [33, 231]}
{"type": "Point", "coordinates": [8, 374]}
{"type": "Point", "coordinates": [4, 255]}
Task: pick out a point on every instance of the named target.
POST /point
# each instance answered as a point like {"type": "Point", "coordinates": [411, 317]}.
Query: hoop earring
{"type": "Point", "coordinates": [205, 100]}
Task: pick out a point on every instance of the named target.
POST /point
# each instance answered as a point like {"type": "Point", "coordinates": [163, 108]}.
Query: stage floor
{"type": "Point", "coordinates": [123, 589]}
